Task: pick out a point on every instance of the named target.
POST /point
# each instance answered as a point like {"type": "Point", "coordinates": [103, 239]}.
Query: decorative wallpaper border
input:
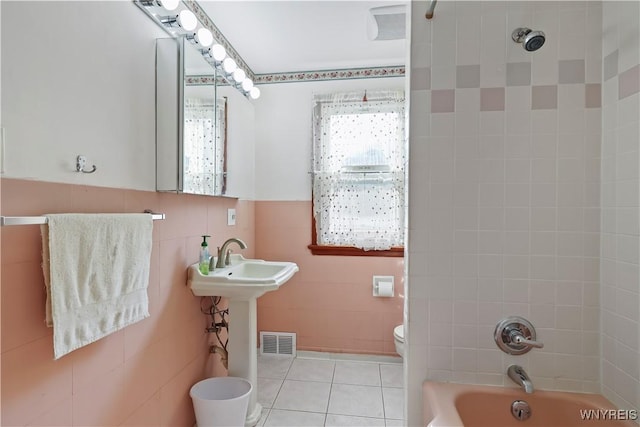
{"type": "Point", "coordinates": [204, 81]}
{"type": "Point", "coordinates": [339, 74]}
{"type": "Point", "coordinates": [308, 76]}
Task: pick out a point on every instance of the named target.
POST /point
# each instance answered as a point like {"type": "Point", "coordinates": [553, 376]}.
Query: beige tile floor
{"type": "Point", "coordinates": [326, 392]}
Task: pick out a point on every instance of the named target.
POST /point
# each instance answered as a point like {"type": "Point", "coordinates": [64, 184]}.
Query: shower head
{"type": "Point", "coordinates": [531, 40]}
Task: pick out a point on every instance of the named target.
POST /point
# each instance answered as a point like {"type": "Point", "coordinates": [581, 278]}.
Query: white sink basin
{"type": "Point", "coordinates": [243, 282]}
{"type": "Point", "coordinates": [243, 279]}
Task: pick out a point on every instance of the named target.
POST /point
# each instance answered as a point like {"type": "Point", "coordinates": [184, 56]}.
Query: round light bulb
{"type": "Point", "coordinates": [187, 20]}
{"type": "Point", "coordinates": [254, 93]}
{"type": "Point", "coordinates": [247, 85]}
{"type": "Point", "coordinates": [239, 75]}
{"type": "Point", "coordinates": [170, 4]}
{"type": "Point", "coordinates": [204, 37]}
{"type": "Point", "coordinates": [229, 65]}
{"type": "Point", "coordinates": [218, 52]}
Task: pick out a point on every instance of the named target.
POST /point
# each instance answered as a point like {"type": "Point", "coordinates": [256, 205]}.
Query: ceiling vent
{"type": "Point", "coordinates": [387, 23]}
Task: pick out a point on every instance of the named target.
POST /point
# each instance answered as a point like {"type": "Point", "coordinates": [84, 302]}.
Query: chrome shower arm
{"type": "Point", "coordinates": [431, 9]}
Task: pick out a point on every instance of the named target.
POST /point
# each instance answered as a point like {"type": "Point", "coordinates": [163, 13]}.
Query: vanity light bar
{"type": "Point", "coordinates": [236, 77]}
{"type": "Point", "coordinates": [203, 37]}
{"type": "Point", "coordinates": [167, 4]}
{"type": "Point", "coordinates": [185, 23]}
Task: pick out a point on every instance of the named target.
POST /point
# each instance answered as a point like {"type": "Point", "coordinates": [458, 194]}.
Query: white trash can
{"type": "Point", "coordinates": [221, 401]}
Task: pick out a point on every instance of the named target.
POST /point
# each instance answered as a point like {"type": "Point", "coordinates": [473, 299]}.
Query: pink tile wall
{"type": "Point", "coordinates": [137, 376]}
{"type": "Point", "coordinates": [329, 302]}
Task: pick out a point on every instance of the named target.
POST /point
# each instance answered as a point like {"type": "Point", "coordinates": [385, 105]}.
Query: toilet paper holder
{"type": "Point", "coordinates": [383, 286]}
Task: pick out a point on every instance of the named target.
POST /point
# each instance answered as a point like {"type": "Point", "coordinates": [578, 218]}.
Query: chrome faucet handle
{"type": "Point", "coordinates": [227, 258]}
{"type": "Point", "coordinates": [516, 335]}
{"type": "Point", "coordinates": [518, 338]}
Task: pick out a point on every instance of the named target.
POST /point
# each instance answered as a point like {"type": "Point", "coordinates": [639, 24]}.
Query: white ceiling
{"type": "Point", "coordinates": [275, 36]}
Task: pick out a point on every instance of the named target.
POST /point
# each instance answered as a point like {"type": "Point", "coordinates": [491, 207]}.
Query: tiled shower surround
{"type": "Point", "coordinates": [506, 153]}
{"type": "Point", "coordinates": [620, 276]}
{"type": "Point", "coordinates": [518, 74]}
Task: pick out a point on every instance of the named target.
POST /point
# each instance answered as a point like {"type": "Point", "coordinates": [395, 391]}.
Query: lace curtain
{"type": "Point", "coordinates": [358, 169]}
{"type": "Point", "coordinates": [203, 146]}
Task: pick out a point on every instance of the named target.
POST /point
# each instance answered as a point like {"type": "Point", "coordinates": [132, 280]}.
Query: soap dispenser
{"type": "Point", "coordinates": [204, 255]}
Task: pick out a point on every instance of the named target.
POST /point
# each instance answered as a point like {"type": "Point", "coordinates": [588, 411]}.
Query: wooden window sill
{"type": "Point", "coordinates": [353, 251]}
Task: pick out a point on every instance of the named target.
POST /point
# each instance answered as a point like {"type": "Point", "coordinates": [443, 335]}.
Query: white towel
{"type": "Point", "coordinates": [96, 271]}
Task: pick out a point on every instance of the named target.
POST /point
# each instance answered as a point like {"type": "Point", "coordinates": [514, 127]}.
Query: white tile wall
{"type": "Point", "coordinates": [620, 301]}
{"type": "Point", "coordinates": [504, 208]}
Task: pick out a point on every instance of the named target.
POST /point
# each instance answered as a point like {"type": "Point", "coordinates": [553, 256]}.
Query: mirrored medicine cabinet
{"type": "Point", "coordinates": [190, 140]}
{"type": "Point", "coordinates": [194, 154]}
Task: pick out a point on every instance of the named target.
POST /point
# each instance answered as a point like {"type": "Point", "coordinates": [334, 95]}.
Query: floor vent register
{"type": "Point", "coordinates": [278, 343]}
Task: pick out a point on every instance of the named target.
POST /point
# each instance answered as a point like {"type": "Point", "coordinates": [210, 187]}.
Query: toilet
{"type": "Point", "coordinates": [398, 338]}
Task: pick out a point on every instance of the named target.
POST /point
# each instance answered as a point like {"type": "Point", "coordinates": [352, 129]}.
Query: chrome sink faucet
{"type": "Point", "coordinates": [520, 377]}
{"type": "Point", "coordinates": [223, 252]}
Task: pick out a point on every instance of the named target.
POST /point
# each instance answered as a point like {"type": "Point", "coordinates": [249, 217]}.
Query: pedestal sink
{"type": "Point", "coordinates": [243, 281]}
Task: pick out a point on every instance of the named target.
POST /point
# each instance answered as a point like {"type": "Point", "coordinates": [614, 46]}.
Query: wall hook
{"type": "Point", "coordinates": [81, 162]}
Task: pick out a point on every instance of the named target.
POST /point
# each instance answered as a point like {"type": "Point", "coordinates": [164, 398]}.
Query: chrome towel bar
{"type": "Point", "coordinates": [29, 220]}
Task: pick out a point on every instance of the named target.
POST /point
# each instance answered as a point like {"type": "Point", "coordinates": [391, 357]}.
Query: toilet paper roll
{"type": "Point", "coordinates": [385, 289]}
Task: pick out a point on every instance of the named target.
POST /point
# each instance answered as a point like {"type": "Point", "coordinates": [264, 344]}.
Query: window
{"type": "Point", "coordinates": [358, 174]}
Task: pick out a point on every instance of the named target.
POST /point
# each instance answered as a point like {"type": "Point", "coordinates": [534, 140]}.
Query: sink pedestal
{"type": "Point", "coordinates": [242, 283]}
{"type": "Point", "coordinates": [243, 350]}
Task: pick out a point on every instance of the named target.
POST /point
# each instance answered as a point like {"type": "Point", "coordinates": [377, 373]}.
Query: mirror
{"type": "Point", "coordinates": [240, 146]}
{"type": "Point", "coordinates": [190, 122]}
{"type": "Point", "coordinates": [204, 128]}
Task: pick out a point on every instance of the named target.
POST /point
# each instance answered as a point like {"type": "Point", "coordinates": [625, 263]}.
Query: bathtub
{"type": "Point", "coordinates": [449, 405]}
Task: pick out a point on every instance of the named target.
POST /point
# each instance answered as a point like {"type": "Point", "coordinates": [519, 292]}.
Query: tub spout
{"type": "Point", "coordinates": [520, 377]}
